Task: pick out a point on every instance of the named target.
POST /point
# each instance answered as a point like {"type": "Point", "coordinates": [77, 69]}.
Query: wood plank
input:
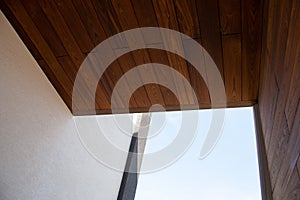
{"type": "Point", "coordinates": [230, 16]}
{"type": "Point", "coordinates": [293, 187]}
{"type": "Point", "coordinates": [154, 93]}
{"type": "Point", "coordinates": [290, 158]}
{"type": "Point", "coordinates": [199, 86]}
{"type": "Point", "coordinates": [62, 29]}
{"type": "Point", "coordinates": [109, 78]}
{"type": "Point", "coordinates": [128, 63]}
{"type": "Point", "coordinates": [265, 182]}
{"type": "Point", "coordinates": [165, 13]}
{"type": "Point", "coordinates": [146, 18]}
{"type": "Point", "coordinates": [145, 15]}
{"type": "Point", "coordinates": [280, 62]}
{"type": "Point", "coordinates": [42, 46]}
{"type": "Point", "coordinates": [187, 17]}
{"type": "Point", "coordinates": [266, 75]}
{"type": "Point", "coordinates": [210, 30]}
{"type": "Point", "coordinates": [44, 27]}
{"type": "Point", "coordinates": [69, 66]}
{"type": "Point", "coordinates": [251, 47]}
{"type": "Point", "coordinates": [293, 51]}
{"type": "Point", "coordinates": [280, 123]}
{"type": "Point", "coordinates": [97, 33]}
{"type": "Point", "coordinates": [21, 32]}
{"type": "Point", "coordinates": [298, 164]}
{"type": "Point", "coordinates": [232, 66]}
{"type": "Point", "coordinates": [108, 19]}
{"type": "Point", "coordinates": [75, 25]}
{"type": "Point", "coordinates": [57, 21]}
{"type": "Point", "coordinates": [211, 40]}
{"type": "Point", "coordinates": [279, 58]}
{"type": "Point", "coordinates": [268, 12]}
{"type": "Point", "coordinates": [158, 56]}
{"type": "Point", "coordinates": [283, 55]}
{"type": "Point", "coordinates": [278, 147]}
{"type": "Point", "coordinates": [127, 19]}
{"type": "Point", "coordinates": [267, 110]}
{"type": "Point", "coordinates": [166, 17]}
{"type": "Point", "coordinates": [111, 26]}
{"type": "Point", "coordinates": [293, 191]}
{"type": "Point", "coordinates": [198, 83]}
{"type": "Point", "coordinates": [294, 94]}
{"type": "Point", "coordinates": [90, 20]}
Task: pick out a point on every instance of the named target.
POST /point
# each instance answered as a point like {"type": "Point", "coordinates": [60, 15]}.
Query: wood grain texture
{"type": "Point", "coordinates": [279, 96]}
{"type": "Point", "coordinates": [60, 35]}
{"type": "Point", "coordinates": [74, 23]}
{"type": "Point", "coordinates": [146, 17]}
{"type": "Point", "coordinates": [21, 32]}
{"type": "Point", "coordinates": [298, 164]}
{"type": "Point", "coordinates": [293, 187]}
{"type": "Point", "coordinates": [187, 18]}
{"type": "Point", "coordinates": [127, 19]}
{"type": "Point", "coordinates": [265, 182]}
{"type": "Point", "coordinates": [232, 67]}
{"type": "Point", "coordinates": [280, 132]}
{"type": "Point", "coordinates": [289, 161]}
{"type": "Point", "coordinates": [45, 28]}
{"type": "Point", "coordinates": [210, 30]}
{"type": "Point", "coordinates": [251, 47]}
{"type": "Point", "coordinates": [24, 19]}
{"type": "Point", "coordinates": [230, 16]}
{"type": "Point", "coordinates": [293, 60]}
{"type": "Point", "coordinates": [166, 17]}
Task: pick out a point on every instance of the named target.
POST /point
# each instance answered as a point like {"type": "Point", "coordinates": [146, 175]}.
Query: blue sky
{"type": "Point", "coordinates": [230, 172]}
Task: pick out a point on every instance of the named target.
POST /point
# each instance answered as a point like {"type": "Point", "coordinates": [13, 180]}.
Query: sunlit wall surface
{"type": "Point", "coordinates": [230, 172]}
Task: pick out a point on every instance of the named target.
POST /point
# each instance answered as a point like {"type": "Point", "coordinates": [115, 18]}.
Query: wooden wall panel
{"type": "Point", "coordinates": [279, 96]}
{"type": "Point", "coordinates": [265, 182]}
{"type": "Point", "coordinates": [292, 192]}
{"type": "Point", "coordinates": [251, 47]}
{"type": "Point", "coordinates": [60, 34]}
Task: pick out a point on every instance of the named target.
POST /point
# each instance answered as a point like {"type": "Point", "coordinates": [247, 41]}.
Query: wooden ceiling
{"type": "Point", "coordinates": [60, 33]}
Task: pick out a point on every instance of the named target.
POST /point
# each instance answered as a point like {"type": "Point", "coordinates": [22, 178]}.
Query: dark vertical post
{"type": "Point", "coordinates": [130, 175]}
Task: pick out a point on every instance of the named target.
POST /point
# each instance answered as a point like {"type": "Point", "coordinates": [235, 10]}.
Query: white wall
{"type": "Point", "coordinates": [41, 156]}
